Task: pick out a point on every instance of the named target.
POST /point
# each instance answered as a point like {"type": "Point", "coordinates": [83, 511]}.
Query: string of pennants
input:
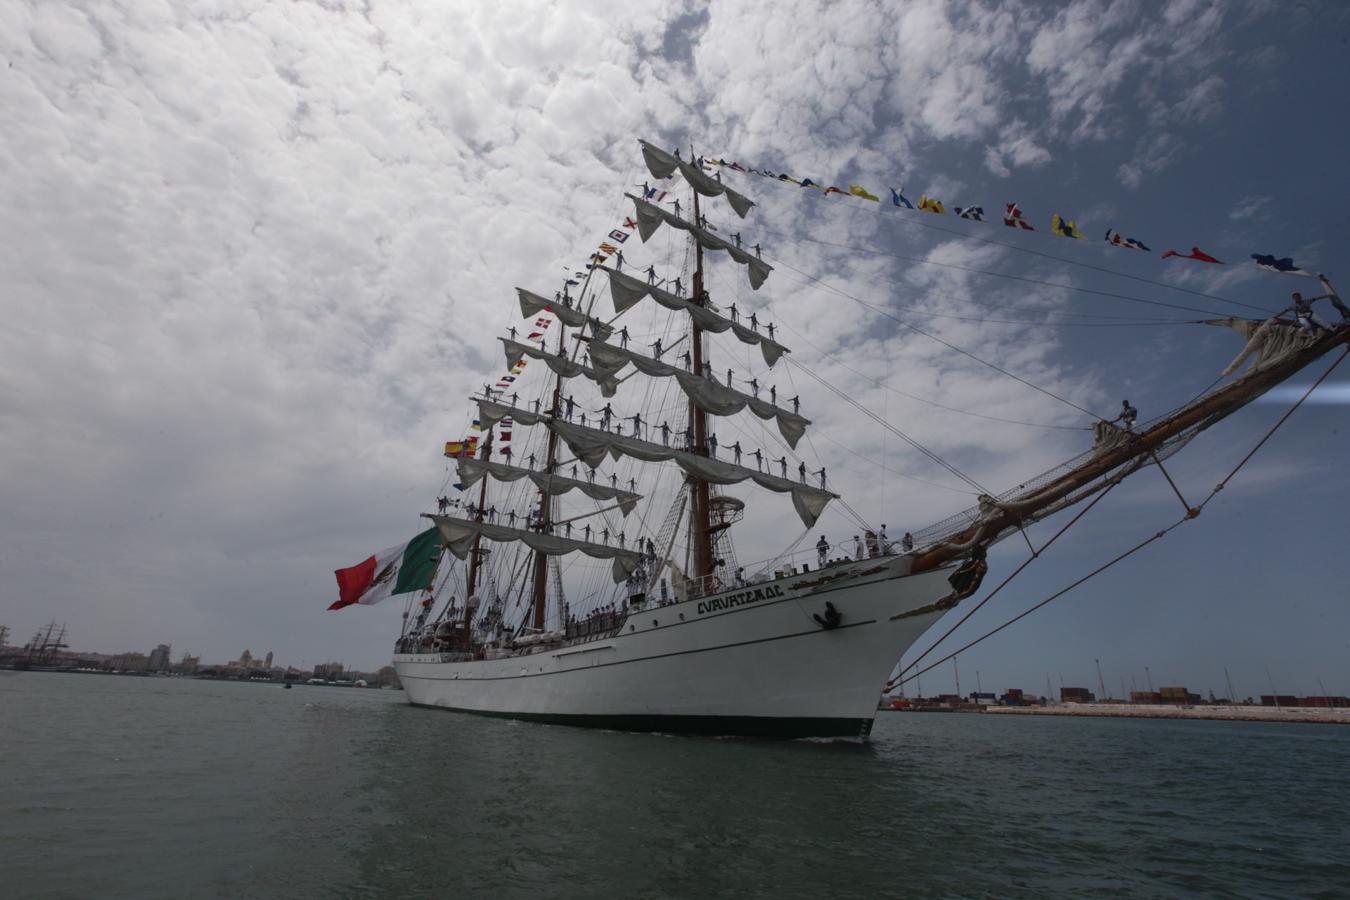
{"type": "Point", "coordinates": [1012, 216]}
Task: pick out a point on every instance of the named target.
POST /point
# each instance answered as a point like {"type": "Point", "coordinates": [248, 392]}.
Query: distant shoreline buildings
{"type": "Point", "coordinates": [48, 650]}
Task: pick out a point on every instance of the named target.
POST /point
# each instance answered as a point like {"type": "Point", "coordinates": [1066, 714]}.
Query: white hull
{"type": "Point", "coordinates": [748, 661]}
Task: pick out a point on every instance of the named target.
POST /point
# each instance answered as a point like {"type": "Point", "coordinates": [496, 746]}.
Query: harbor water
{"type": "Point", "coordinates": [169, 787]}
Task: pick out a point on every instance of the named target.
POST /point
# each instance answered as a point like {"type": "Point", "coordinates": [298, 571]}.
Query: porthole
{"type": "Point", "coordinates": [655, 623]}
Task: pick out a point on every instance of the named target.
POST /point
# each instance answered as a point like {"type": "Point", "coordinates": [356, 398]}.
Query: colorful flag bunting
{"type": "Point", "coordinates": [618, 235]}
{"type": "Point", "coordinates": [535, 335]}
{"type": "Point", "coordinates": [572, 282]}
{"type": "Point", "coordinates": [629, 223]}
{"type": "Point", "coordinates": [858, 191]}
{"type": "Point", "coordinates": [788, 178]}
{"type": "Point", "coordinates": [973, 213]}
{"type": "Point", "coordinates": [1284, 265]}
{"type": "Point", "coordinates": [1119, 240]}
{"type": "Point", "coordinates": [931, 204]}
{"type": "Point", "coordinates": [1064, 228]}
{"type": "Point", "coordinates": [899, 199]}
{"type": "Point", "coordinates": [543, 322]}
{"type": "Point", "coordinates": [1196, 254]}
{"type": "Point", "coordinates": [807, 182]}
{"type": "Point", "coordinates": [1013, 218]}
{"type": "Point", "coordinates": [608, 248]}
{"type": "Point", "coordinates": [598, 258]}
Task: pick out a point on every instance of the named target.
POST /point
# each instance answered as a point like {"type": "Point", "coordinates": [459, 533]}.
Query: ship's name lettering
{"type": "Point", "coordinates": [741, 599]}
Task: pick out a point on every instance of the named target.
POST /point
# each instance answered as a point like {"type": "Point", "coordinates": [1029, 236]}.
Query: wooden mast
{"type": "Point", "coordinates": [545, 499]}
{"type": "Point", "coordinates": [699, 537]}
{"type": "Point", "coordinates": [476, 554]}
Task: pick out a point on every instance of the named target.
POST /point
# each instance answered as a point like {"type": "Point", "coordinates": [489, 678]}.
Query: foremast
{"type": "Point", "coordinates": [545, 499]}
{"type": "Point", "coordinates": [700, 538]}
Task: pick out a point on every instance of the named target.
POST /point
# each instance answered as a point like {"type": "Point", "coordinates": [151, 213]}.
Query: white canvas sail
{"type": "Point", "coordinates": [650, 217]}
{"type": "Point", "coordinates": [663, 165]}
{"type": "Point", "coordinates": [471, 470]}
{"type": "Point", "coordinates": [460, 535]}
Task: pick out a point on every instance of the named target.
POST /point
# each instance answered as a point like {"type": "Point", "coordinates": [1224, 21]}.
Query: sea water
{"type": "Point", "coordinates": [169, 787]}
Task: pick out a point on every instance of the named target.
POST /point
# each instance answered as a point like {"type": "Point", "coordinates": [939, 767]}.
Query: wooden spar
{"type": "Point", "coordinates": [476, 554]}
{"type": "Point", "coordinates": [545, 499]}
{"type": "Point", "coordinates": [699, 537]}
{"type": "Point", "coordinates": [1213, 407]}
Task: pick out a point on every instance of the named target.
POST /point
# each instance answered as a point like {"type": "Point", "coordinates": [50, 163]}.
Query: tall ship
{"type": "Point", "coordinates": [587, 571]}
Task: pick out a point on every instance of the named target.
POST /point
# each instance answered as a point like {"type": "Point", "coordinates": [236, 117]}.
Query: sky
{"type": "Point", "coordinates": [258, 254]}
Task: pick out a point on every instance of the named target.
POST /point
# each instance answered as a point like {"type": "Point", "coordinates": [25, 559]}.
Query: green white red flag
{"type": "Point", "coordinates": [398, 570]}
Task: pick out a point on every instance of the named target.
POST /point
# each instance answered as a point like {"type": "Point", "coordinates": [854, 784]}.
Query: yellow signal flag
{"type": "Point", "coordinates": [1065, 228]}
{"type": "Point", "coordinates": [859, 191]}
{"type": "Point", "coordinates": [932, 204]}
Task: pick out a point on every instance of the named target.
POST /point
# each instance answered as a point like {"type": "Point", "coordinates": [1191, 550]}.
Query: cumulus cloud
{"type": "Point", "coordinates": [259, 254]}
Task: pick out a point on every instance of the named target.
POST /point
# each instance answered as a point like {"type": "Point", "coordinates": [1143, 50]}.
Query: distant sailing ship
{"type": "Point", "coordinates": [681, 639]}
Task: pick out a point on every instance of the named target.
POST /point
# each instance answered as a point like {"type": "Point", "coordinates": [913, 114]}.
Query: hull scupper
{"type": "Point", "coordinates": [761, 659]}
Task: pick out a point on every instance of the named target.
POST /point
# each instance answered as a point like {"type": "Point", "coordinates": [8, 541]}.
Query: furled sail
{"type": "Point", "coordinates": [662, 165]}
{"type": "Point", "coordinates": [591, 445]}
{"type": "Point", "coordinates": [650, 216]}
{"type": "Point", "coordinates": [471, 470]}
{"type": "Point", "coordinates": [459, 536]}
{"type": "Point", "coordinates": [560, 364]}
{"type": "Point", "coordinates": [491, 412]}
{"type": "Point", "coordinates": [708, 394]}
{"type": "Point", "coordinates": [628, 291]}
{"type": "Point", "coordinates": [532, 304]}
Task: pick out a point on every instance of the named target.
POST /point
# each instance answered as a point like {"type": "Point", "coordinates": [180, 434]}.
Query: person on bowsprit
{"type": "Point", "coordinates": [1304, 315]}
{"type": "Point", "coordinates": [1127, 416]}
{"type": "Point", "coordinates": [782, 465]}
{"type": "Point", "coordinates": [759, 461]}
{"type": "Point", "coordinates": [754, 323]}
{"type": "Point", "coordinates": [907, 542]}
{"type": "Point", "coordinates": [1333, 297]}
{"type": "Point", "coordinates": [687, 360]}
{"type": "Point", "coordinates": [754, 387]}
{"type": "Point", "coordinates": [736, 449]}
{"type": "Point", "coordinates": [651, 274]}
{"type": "Point", "coordinates": [623, 338]}
{"type": "Point", "coordinates": [665, 434]}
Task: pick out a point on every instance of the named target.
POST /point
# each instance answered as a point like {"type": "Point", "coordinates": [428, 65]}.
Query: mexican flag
{"type": "Point", "coordinates": [398, 570]}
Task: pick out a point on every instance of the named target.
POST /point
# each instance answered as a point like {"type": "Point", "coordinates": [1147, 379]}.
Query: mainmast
{"type": "Point", "coordinates": [545, 500]}
{"type": "Point", "coordinates": [699, 538]}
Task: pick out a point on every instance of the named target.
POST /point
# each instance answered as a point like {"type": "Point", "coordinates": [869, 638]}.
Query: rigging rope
{"type": "Point", "coordinates": [883, 312]}
{"type": "Point", "coordinates": [1187, 517]}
